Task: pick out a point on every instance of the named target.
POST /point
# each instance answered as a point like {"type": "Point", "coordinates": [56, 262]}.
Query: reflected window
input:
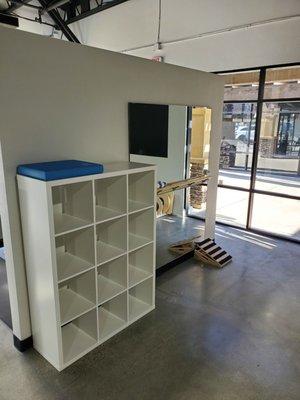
{"type": "Point", "coordinates": [199, 155]}
{"type": "Point", "coordinates": [241, 86]}
{"type": "Point", "coordinates": [282, 83]}
{"type": "Point", "coordinates": [232, 207]}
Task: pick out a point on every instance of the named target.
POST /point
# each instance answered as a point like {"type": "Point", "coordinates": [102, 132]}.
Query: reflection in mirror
{"type": "Point", "coordinates": [199, 156]}
{"type": "Point", "coordinates": [176, 139]}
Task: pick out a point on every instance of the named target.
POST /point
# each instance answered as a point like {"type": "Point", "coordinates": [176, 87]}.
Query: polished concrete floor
{"type": "Point", "coordinates": [172, 229]}
{"type": "Point", "coordinates": [230, 334]}
{"type": "Point", "coordinates": [4, 299]}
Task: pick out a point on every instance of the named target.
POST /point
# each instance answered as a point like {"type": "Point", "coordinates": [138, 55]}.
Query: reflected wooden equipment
{"type": "Point", "coordinates": [184, 246]}
{"type": "Point", "coordinates": [199, 156]}
{"type": "Point", "coordinates": [164, 204]}
{"type": "Point", "coordinates": [183, 184]}
{"type": "Point", "coordinates": [165, 194]}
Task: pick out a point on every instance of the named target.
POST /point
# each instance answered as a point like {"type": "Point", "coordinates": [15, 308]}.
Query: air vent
{"type": "Point", "coordinates": [9, 21]}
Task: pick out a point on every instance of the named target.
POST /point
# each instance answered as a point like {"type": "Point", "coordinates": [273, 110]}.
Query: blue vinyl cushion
{"type": "Point", "coordinates": [50, 171]}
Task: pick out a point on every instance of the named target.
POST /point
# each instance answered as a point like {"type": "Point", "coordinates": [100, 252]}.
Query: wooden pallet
{"type": "Point", "coordinates": [209, 252]}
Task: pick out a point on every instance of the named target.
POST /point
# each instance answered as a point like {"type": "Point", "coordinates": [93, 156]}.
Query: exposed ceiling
{"type": "Point", "coordinates": [62, 12]}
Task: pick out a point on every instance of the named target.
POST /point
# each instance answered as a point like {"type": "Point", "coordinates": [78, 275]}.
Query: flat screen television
{"type": "Point", "coordinates": [148, 129]}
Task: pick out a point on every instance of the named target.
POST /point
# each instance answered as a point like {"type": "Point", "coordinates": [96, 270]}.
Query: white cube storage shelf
{"type": "Point", "coordinates": [90, 257]}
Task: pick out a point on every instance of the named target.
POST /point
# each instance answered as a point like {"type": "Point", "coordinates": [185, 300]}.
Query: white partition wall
{"type": "Point", "coordinates": [70, 102]}
{"type": "Point", "coordinates": [90, 257]}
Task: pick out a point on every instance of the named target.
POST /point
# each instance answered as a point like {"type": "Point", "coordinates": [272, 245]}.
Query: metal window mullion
{"type": "Point", "coordinates": [187, 161]}
{"type": "Point", "coordinates": [256, 69]}
{"type": "Point", "coordinates": [259, 109]}
{"type": "Point", "coordinates": [282, 100]}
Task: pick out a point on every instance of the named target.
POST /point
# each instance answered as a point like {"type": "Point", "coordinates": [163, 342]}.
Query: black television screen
{"type": "Point", "coordinates": [148, 129]}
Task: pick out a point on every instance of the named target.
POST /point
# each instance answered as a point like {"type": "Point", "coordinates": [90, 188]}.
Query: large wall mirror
{"type": "Point", "coordinates": [177, 140]}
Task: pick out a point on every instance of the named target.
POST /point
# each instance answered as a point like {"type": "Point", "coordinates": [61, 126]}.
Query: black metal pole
{"type": "Point", "coordinates": [262, 79]}
{"type": "Point", "coordinates": [249, 138]}
{"type": "Point", "coordinates": [57, 19]}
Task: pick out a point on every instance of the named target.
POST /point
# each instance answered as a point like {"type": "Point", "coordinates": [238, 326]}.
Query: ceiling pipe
{"type": "Point", "coordinates": [213, 33]}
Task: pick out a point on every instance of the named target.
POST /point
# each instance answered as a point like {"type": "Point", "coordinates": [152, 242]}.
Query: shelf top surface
{"type": "Point", "coordinates": [126, 166]}
{"type": "Point", "coordinates": [109, 169]}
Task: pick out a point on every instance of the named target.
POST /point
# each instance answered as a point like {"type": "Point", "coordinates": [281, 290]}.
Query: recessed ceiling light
{"type": "Point", "coordinates": [277, 83]}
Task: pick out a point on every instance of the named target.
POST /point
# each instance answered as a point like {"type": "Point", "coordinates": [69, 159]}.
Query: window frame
{"type": "Point", "coordinates": [259, 111]}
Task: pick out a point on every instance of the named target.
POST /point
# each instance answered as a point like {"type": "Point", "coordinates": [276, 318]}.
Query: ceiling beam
{"type": "Point", "coordinates": [16, 5]}
{"type": "Point", "coordinates": [57, 19]}
{"type": "Point", "coordinates": [95, 10]}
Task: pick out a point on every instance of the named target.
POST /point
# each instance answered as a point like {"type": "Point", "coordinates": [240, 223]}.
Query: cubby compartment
{"type": "Point", "coordinates": [111, 239]}
{"type": "Point", "coordinates": [77, 295]}
{"type": "Point", "coordinates": [111, 198]}
{"type": "Point", "coordinates": [140, 299]}
{"type": "Point", "coordinates": [140, 190]}
{"type": "Point", "coordinates": [79, 336]}
{"type": "Point", "coordinates": [72, 206]}
{"type": "Point", "coordinates": [112, 279]}
{"type": "Point", "coordinates": [140, 264]}
{"type": "Point", "coordinates": [112, 316]}
{"type": "Point", "coordinates": [141, 228]}
{"type": "Point", "coordinates": [75, 253]}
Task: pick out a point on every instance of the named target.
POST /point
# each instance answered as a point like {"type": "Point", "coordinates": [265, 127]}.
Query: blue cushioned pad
{"type": "Point", "coordinates": [53, 170]}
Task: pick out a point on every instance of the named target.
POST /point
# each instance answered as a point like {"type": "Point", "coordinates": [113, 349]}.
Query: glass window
{"type": "Point", "coordinates": [282, 83]}
{"type": "Point", "coordinates": [232, 206]}
{"type": "Point", "coordinates": [276, 215]}
{"type": "Point", "coordinates": [278, 167]}
{"type": "Point", "coordinates": [238, 131]}
{"type": "Point", "coordinates": [278, 152]}
{"type": "Point", "coordinates": [241, 86]}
